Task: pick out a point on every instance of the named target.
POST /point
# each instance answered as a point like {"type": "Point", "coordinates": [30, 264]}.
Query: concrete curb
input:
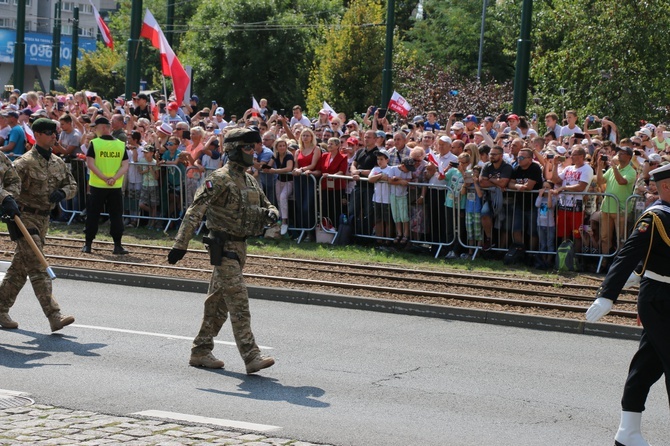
{"type": "Point", "coordinates": [364, 303]}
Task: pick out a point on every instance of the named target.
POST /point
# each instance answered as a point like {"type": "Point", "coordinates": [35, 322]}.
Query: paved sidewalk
{"type": "Point", "coordinates": [48, 425]}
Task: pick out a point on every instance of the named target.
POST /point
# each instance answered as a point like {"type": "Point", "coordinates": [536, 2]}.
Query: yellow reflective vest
{"type": "Point", "coordinates": [108, 157]}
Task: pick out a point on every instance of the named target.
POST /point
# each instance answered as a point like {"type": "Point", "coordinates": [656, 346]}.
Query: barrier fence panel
{"type": "Point", "coordinates": [302, 209]}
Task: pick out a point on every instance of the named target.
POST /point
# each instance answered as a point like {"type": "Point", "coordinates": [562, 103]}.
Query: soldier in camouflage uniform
{"type": "Point", "coordinates": [45, 181]}
{"type": "Point", "coordinates": [236, 208]}
{"type": "Point", "coordinates": [11, 186]}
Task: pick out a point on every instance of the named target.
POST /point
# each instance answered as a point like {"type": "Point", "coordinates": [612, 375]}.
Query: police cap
{"type": "Point", "coordinates": [44, 125]}
{"type": "Point", "coordinates": [661, 173]}
{"type": "Point", "coordinates": [100, 120]}
{"type": "Point", "coordinates": [242, 135]}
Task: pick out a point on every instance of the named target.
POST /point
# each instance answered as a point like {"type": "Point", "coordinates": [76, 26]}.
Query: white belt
{"type": "Point", "coordinates": [652, 275]}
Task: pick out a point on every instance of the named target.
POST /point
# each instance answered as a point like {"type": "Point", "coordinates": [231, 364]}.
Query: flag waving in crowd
{"type": "Point", "coordinates": [399, 105]}
{"type": "Point", "coordinates": [171, 65]}
{"type": "Point", "coordinates": [106, 34]}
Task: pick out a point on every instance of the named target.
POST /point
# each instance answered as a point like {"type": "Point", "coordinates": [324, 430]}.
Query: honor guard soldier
{"type": "Point", "coordinates": [108, 162]}
{"type": "Point", "coordinates": [648, 245]}
{"type": "Point", "coordinates": [45, 181]}
{"type": "Point", "coordinates": [236, 208]}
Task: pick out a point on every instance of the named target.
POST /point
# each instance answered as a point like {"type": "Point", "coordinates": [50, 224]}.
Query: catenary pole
{"type": "Point", "coordinates": [20, 46]}
{"type": "Point", "coordinates": [387, 72]}
{"type": "Point", "coordinates": [134, 50]}
{"type": "Point", "coordinates": [522, 60]}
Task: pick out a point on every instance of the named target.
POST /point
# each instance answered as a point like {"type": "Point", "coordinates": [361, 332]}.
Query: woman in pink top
{"type": "Point", "coordinates": [304, 183]}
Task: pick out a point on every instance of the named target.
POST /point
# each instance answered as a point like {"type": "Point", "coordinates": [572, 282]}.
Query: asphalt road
{"type": "Point", "coordinates": [342, 377]}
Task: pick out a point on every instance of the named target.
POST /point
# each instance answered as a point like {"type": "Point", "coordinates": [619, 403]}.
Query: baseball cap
{"type": "Point", "coordinates": [513, 116]}
{"type": "Point", "coordinates": [380, 134]}
{"type": "Point", "coordinates": [489, 119]}
{"type": "Point", "coordinates": [219, 111]}
{"type": "Point", "coordinates": [458, 125]}
{"type": "Point", "coordinates": [173, 106]}
{"type": "Point", "coordinates": [101, 120]}
{"type": "Point", "coordinates": [445, 138]}
{"type": "Point", "coordinates": [382, 152]}
{"type": "Point", "coordinates": [323, 111]}
{"type": "Point", "coordinates": [195, 99]}
{"type": "Point", "coordinates": [471, 118]}
{"type": "Point", "coordinates": [561, 150]}
{"type": "Point", "coordinates": [26, 111]}
{"type": "Point", "coordinates": [625, 149]}
{"type": "Point", "coordinates": [352, 140]}
{"type": "Point", "coordinates": [655, 158]}
{"type": "Point", "coordinates": [417, 118]}
{"type": "Point", "coordinates": [409, 164]}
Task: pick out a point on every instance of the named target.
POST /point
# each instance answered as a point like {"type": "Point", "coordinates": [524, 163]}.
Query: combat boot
{"type": "Point", "coordinates": [58, 321]}
{"type": "Point", "coordinates": [208, 361]}
{"type": "Point", "coordinates": [120, 250]}
{"type": "Point", "coordinates": [260, 362]}
{"type": "Point", "coordinates": [7, 322]}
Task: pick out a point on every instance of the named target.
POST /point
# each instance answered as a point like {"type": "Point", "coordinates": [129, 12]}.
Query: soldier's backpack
{"type": "Point", "coordinates": [515, 254]}
{"type": "Point", "coordinates": [565, 257]}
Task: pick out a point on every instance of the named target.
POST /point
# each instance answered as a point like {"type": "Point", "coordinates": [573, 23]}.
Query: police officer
{"type": "Point", "coordinates": [236, 208]}
{"type": "Point", "coordinates": [45, 181]}
{"type": "Point", "coordinates": [649, 245]}
{"type": "Point", "coordinates": [107, 161]}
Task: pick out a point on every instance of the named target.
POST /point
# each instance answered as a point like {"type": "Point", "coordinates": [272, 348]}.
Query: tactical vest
{"type": "Point", "coordinates": [242, 214]}
{"type": "Point", "coordinates": [108, 158]}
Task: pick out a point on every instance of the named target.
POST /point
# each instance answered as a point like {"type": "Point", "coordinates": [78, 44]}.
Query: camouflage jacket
{"type": "Point", "coordinates": [39, 178]}
{"type": "Point", "coordinates": [11, 183]}
{"type": "Point", "coordinates": [233, 202]}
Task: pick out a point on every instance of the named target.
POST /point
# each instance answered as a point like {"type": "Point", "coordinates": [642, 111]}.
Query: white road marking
{"type": "Point", "coordinates": [243, 425]}
{"type": "Point", "coordinates": [160, 335]}
{"type": "Point", "coordinates": [4, 392]}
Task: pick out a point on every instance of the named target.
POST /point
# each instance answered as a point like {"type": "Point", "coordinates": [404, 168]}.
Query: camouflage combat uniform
{"type": "Point", "coordinates": [38, 179]}
{"type": "Point", "coordinates": [235, 205]}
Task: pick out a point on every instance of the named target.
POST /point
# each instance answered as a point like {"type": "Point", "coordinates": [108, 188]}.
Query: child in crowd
{"type": "Point", "coordinates": [473, 207]}
{"type": "Point", "coordinates": [399, 177]}
{"type": "Point", "coordinates": [149, 192]}
{"type": "Point", "coordinates": [546, 225]}
{"type": "Point", "coordinates": [379, 175]}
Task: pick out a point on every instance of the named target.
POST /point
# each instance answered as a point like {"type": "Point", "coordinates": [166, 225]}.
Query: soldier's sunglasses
{"type": "Point", "coordinates": [248, 147]}
{"type": "Point", "coordinates": [48, 132]}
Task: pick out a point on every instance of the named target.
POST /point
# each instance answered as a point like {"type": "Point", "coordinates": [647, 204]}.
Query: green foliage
{"type": "Point", "coordinates": [269, 57]}
{"type": "Point", "coordinates": [348, 69]}
{"type": "Point", "coordinates": [94, 72]}
{"type": "Point", "coordinates": [449, 36]}
{"type": "Point", "coordinates": [607, 58]}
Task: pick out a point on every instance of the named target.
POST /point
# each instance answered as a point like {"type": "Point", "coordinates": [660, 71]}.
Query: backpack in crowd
{"type": "Point", "coordinates": [344, 231]}
{"type": "Point", "coordinates": [565, 257]}
{"type": "Point", "coordinates": [514, 255]}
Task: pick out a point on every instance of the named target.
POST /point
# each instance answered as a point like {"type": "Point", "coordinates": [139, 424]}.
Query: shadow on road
{"type": "Point", "coordinates": [43, 345]}
{"type": "Point", "coordinates": [264, 388]}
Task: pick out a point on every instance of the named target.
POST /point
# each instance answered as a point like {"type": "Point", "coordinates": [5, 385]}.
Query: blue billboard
{"type": "Point", "coordinates": [39, 47]}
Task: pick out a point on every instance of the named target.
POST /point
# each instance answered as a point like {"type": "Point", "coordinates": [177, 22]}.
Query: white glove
{"type": "Point", "coordinates": [633, 280]}
{"type": "Point", "coordinates": [598, 309]}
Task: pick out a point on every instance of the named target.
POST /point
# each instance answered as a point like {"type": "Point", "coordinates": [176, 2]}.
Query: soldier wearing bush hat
{"type": "Point", "coordinates": [236, 208]}
{"type": "Point", "coordinates": [46, 181]}
{"type": "Point", "coordinates": [649, 246]}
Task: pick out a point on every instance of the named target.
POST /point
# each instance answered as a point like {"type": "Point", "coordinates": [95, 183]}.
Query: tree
{"type": "Point", "coordinates": [95, 72]}
{"type": "Point", "coordinates": [348, 69]}
{"type": "Point", "coordinates": [240, 48]}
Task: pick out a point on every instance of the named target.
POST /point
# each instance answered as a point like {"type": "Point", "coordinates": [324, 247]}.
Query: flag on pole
{"type": "Point", "coordinates": [102, 26]}
{"type": "Point", "coordinates": [432, 159]}
{"type": "Point", "coordinates": [30, 136]}
{"type": "Point", "coordinates": [254, 104]}
{"type": "Point", "coordinates": [154, 109]}
{"type": "Point", "coordinates": [331, 112]}
{"type": "Point", "coordinates": [170, 64]}
{"type": "Point", "coordinates": [399, 105]}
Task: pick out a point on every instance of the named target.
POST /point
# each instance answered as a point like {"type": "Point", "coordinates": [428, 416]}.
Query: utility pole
{"type": "Point", "coordinates": [481, 41]}
{"type": "Point", "coordinates": [387, 72]}
{"type": "Point", "coordinates": [55, 47]}
{"type": "Point", "coordinates": [522, 60]}
{"type": "Point", "coordinates": [75, 48]}
{"type": "Point", "coordinates": [170, 22]}
{"type": "Point", "coordinates": [134, 50]}
{"type": "Point", "coordinates": [20, 46]}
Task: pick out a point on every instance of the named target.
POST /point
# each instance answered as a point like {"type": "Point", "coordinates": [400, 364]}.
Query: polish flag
{"type": "Point", "coordinates": [399, 105]}
{"type": "Point", "coordinates": [431, 158]}
{"type": "Point", "coordinates": [331, 112]}
{"type": "Point", "coordinates": [154, 109]}
{"type": "Point", "coordinates": [106, 35]}
{"type": "Point", "coordinates": [255, 106]}
{"type": "Point", "coordinates": [170, 64]}
{"type": "Point", "coordinates": [30, 136]}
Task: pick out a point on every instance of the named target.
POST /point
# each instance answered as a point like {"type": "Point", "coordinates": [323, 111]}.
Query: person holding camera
{"type": "Point", "coordinates": [620, 181]}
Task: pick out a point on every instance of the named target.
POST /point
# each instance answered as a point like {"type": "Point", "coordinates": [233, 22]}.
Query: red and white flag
{"type": "Point", "coordinates": [106, 35]}
{"type": "Point", "coordinates": [30, 136]}
{"type": "Point", "coordinates": [331, 112]}
{"type": "Point", "coordinates": [399, 105]}
{"type": "Point", "coordinates": [254, 104]}
{"type": "Point", "coordinates": [431, 158]}
{"type": "Point", "coordinates": [170, 64]}
{"type": "Point", "coordinates": [154, 109]}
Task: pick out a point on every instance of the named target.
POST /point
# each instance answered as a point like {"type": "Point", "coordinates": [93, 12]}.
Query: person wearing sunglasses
{"type": "Point", "coordinates": [47, 181]}
{"type": "Point", "coordinates": [236, 208]}
{"type": "Point", "coordinates": [108, 162]}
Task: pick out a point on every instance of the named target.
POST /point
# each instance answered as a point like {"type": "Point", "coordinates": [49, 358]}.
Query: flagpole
{"type": "Point", "coordinates": [165, 92]}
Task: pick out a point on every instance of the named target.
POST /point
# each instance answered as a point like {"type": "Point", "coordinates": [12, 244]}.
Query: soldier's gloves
{"type": "Point", "coordinates": [57, 196]}
{"type": "Point", "coordinates": [272, 216]}
{"type": "Point", "coordinates": [633, 280]}
{"type": "Point", "coordinates": [598, 309]}
{"type": "Point", "coordinates": [176, 255]}
{"type": "Point", "coordinates": [10, 208]}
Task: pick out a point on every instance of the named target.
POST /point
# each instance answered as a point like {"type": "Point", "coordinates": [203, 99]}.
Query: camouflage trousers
{"type": "Point", "coordinates": [227, 294]}
{"type": "Point", "coordinates": [26, 265]}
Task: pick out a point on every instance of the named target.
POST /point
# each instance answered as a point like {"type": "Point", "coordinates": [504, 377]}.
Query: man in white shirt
{"type": "Point", "coordinates": [298, 117]}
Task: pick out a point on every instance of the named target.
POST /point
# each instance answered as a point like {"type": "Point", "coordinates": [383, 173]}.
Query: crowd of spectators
{"type": "Point", "coordinates": [461, 181]}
